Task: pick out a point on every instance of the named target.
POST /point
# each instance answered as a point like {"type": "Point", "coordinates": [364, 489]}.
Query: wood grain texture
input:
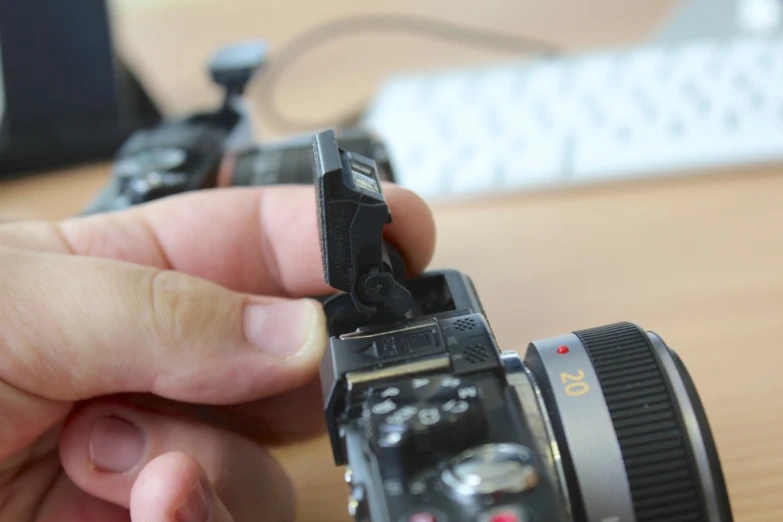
{"type": "Point", "coordinates": [699, 260]}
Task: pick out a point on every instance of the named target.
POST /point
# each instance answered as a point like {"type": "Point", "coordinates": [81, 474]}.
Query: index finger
{"type": "Point", "coordinates": [254, 240]}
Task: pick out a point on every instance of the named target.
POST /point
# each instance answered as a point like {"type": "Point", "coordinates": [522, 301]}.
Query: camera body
{"type": "Point", "coordinates": [418, 408]}
{"type": "Point", "coordinates": [177, 156]}
{"type": "Point", "coordinates": [434, 423]}
{"type": "Point", "coordinates": [184, 154]}
{"type": "Point", "coordinates": [289, 161]}
{"type": "Point", "coordinates": [216, 148]}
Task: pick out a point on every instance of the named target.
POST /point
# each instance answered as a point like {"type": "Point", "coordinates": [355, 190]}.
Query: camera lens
{"type": "Point", "coordinates": [620, 422]}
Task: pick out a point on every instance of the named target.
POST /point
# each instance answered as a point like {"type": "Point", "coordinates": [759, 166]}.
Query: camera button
{"type": "Point", "coordinates": [491, 469]}
{"type": "Point", "coordinates": [505, 514]}
{"type": "Point", "coordinates": [424, 514]}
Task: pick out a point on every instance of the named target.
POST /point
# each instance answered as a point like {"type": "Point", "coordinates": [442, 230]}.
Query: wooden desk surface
{"type": "Point", "coordinates": [698, 260]}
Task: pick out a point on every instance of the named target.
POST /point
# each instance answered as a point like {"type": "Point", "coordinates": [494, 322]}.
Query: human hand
{"type": "Point", "coordinates": [146, 355]}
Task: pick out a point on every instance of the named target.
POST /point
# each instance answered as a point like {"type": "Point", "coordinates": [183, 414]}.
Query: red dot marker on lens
{"type": "Point", "coordinates": [563, 349]}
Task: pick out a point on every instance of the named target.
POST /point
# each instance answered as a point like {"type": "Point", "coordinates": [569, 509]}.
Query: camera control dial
{"type": "Point", "coordinates": [415, 422]}
{"type": "Point", "coordinates": [490, 469]}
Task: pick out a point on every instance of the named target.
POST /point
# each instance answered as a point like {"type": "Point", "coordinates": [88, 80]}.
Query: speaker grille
{"type": "Point", "coordinates": [465, 324]}
{"type": "Point", "coordinates": [476, 354]}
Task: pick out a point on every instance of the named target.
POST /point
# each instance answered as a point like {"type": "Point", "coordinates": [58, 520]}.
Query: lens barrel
{"type": "Point", "coordinates": [632, 437]}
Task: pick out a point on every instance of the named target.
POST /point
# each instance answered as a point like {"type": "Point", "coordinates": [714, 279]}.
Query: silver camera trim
{"type": "Point", "coordinates": [535, 411]}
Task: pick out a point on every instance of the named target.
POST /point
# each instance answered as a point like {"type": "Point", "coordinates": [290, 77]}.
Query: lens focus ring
{"type": "Point", "coordinates": [661, 472]}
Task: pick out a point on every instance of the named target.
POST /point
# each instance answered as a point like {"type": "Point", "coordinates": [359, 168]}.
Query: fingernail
{"type": "Point", "coordinates": [196, 506]}
{"type": "Point", "coordinates": [281, 328]}
{"type": "Point", "coordinates": [116, 445]}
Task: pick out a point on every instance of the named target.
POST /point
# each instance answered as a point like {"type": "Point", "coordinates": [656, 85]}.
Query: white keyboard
{"type": "Point", "coordinates": [581, 119]}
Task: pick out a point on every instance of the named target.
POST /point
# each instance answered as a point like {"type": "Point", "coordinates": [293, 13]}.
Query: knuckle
{"type": "Point", "coordinates": [181, 305]}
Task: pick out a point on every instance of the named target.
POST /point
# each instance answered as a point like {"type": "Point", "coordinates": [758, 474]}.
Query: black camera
{"type": "Point", "coordinates": [184, 154]}
{"type": "Point", "coordinates": [216, 148]}
{"type": "Point", "coordinates": [434, 423]}
{"type": "Point", "coordinates": [289, 161]}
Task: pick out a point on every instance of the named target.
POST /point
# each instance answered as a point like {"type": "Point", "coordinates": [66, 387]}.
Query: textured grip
{"type": "Point", "coordinates": [661, 470]}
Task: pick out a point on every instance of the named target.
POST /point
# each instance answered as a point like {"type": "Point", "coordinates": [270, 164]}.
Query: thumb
{"type": "Point", "coordinates": [174, 488]}
{"type": "Point", "coordinates": [78, 327]}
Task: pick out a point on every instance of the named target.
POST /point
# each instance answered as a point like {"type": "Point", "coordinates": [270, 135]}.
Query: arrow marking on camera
{"type": "Point", "coordinates": [371, 350]}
